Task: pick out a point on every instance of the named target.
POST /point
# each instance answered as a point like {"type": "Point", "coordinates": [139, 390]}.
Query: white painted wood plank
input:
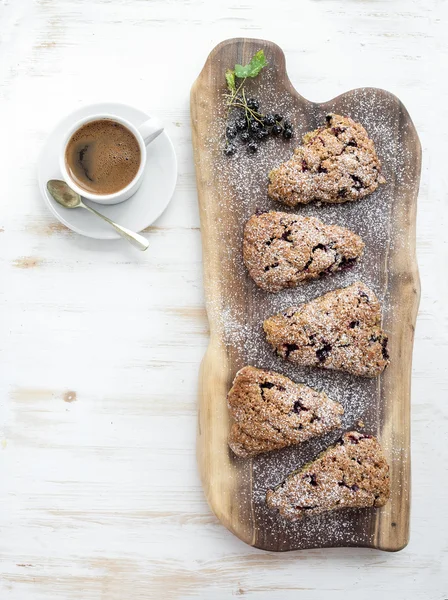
{"type": "Point", "coordinates": [100, 497]}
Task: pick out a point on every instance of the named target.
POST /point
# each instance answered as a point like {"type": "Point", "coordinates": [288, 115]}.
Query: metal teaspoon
{"type": "Point", "coordinates": [65, 196]}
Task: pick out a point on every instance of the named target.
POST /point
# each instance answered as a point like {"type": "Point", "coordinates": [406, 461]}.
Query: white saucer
{"type": "Point", "coordinates": [142, 209]}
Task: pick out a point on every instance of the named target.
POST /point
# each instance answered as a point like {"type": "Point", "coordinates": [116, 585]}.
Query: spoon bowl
{"type": "Point", "coordinates": [63, 194]}
{"type": "Point", "coordinates": [68, 198]}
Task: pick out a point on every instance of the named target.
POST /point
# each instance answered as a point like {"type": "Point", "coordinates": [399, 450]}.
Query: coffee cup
{"type": "Point", "coordinates": [144, 134]}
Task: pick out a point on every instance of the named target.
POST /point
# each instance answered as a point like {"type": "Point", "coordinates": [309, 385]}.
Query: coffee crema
{"type": "Point", "coordinates": [103, 156]}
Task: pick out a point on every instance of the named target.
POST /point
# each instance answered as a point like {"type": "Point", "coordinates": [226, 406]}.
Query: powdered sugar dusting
{"type": "Point", "coordinates": [240, 185]}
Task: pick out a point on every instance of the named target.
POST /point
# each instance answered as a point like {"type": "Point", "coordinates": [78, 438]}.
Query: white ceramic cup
{"type": "Point", "coordinates": [144, 133]}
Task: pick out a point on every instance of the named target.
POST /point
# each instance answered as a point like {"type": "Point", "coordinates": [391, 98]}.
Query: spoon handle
{"type": "Point", "coordinates": [136, 239]}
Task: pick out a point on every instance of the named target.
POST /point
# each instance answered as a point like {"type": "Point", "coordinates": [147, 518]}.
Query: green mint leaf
{"type": "Point", "coordinates": [253, 68]}
{"type": "Point", "coordinates": [230, 78]}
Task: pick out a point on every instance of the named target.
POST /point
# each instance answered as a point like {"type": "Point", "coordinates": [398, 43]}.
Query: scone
{"type": "Point", "coordinates": [340, 330]}
{"type": "Point", "coordinates": [336, 163]}
{"type": "Point", "coordinates": [351, 474]}
{"type": "Point", "coordinates": [272, 412]}
{"type": "Point", "coordinates": [281, 250]}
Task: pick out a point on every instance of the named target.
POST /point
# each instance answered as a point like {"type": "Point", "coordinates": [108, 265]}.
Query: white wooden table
{"type": "Point", "coordinates": [100, 345]}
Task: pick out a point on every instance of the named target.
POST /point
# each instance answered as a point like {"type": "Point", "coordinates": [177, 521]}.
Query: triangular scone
{"type": "Point", "coordinates": [340, 330]}
{"type": "Point", "coordinates": [336, 163]}
{"type": "Point", "coordinates": [351, 474]}
{"type": "Point", "coordinates": [281, 250]}
{"type": "Point", "coordinates": [272, 412]}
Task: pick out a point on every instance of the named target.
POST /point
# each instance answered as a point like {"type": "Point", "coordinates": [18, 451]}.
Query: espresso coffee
{"type": "Point", "coordinates": [103, 156]}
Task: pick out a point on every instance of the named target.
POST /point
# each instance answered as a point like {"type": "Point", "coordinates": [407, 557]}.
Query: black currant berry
{"type": "Point", "coordinates": [278, 117]}
{"type": "Point", "coordinates": [230, 150]}
{"type": "Point", "coordinates": [287, 124]}
{"type": "Point", "coordinates": [254, 126]}
{"type": "Point", "coordinates": [241, 124]}
{"type": "Point", "coordinates": [252, 147]}
{"type": "Point", "coordinates": [245, 136]}
{"type": "Point", "coordinates": [262, 134]}
{"type": "Point", "coordinates": [269, 120]}
{"type": "Point", "coordinates": [287, 133]}
{"type": "Point", "coordinates": [276, 130]}
{"type": "Point", "coordinates": [253, 104]}
{"type": "Point", "coordinates": [231, 131]}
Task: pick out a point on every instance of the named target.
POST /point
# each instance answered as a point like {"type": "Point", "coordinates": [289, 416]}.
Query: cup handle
{"type": "Point", "coordinates": [150, 129]}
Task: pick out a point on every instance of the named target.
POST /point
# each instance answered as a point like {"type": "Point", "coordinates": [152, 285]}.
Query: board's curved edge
{"type": "Point", "coordinates": [219, 498]}
{"type": "Point", "coordinates": [246, 41]}
{"type": "Point", "coordinates": [413, 285]}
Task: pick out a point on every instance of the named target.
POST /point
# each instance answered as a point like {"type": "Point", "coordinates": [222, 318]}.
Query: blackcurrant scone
{"type": "Point", "coordinates": [336, 163]}
{"type": "Point", "coordinates": [281, 250]}
{"type": "Point", "coordinates": [271, 412]}
{"type": "Point", "coordinates": [340, 330]}
{"type": "Point", "coordinates": [351, 474]}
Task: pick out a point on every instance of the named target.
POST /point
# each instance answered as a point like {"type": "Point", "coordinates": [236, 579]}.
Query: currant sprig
{"type": "Point", "coordinates": [250, 125]}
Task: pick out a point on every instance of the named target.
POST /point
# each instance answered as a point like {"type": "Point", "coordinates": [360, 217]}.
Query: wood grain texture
{"type": "Point", "coordinates": [235, 488]}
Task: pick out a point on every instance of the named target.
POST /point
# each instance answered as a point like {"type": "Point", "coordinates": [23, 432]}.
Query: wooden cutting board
{"type": "Point", "coordinates": [230, 190]}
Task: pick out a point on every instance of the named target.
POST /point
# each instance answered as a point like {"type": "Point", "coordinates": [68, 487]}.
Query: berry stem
{"type": "Point", "coordinates": [230, 103]}
{"type": "Point", "coordinates": [245, 105]}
